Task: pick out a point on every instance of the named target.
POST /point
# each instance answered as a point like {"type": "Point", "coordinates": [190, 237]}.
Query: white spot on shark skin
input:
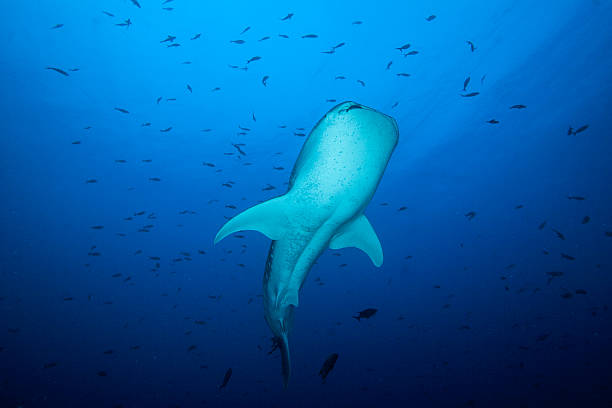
{"type": "Point", "coordinates": [333, 180]}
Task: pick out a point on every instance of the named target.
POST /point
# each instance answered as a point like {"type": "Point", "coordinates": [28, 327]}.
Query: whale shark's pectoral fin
{"type": "Point", "coordinates": [269, 218]}
{"type": "Point", "coordinates": [359, 234]}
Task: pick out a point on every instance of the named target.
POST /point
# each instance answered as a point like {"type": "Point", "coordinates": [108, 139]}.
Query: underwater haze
{"type": "Point", "coordinates": [133, 130]}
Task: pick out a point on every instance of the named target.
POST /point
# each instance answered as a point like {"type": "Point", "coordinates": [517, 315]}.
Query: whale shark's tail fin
{"type": "Point", "coordinates": [286, 358]}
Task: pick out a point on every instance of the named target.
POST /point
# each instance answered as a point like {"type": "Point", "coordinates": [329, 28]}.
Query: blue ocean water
{"type": "Point", "coordinates": [132, 131]}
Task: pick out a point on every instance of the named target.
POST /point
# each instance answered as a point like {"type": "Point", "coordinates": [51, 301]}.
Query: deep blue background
{"type": "Point", "coordinates": [524, 344]}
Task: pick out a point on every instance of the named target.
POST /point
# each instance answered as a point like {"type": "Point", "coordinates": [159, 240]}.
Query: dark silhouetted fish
{"type": "Point", "coordinates": [577, 198]}
{"type": "Point", "coordinates": [287, 17]}
{"type": "Point", "coordinates": [472, 46]}
{"type": "Point", "coordinates": [471, 94]}
{"type": "Point", "coordinates": [365, 314]}
{"type": "Point", "coordinates": [226, 378]}
{"type": "Point", "coordinates": [559, 234]}
{"type": "Point", "coordinates": [328, 365]}
{"type": "Point", "coordinates": [245, 30]}
{"type": "Point", "coordinates": [430, 18]}
{"type": "Point", "coordinates": [309, 36]}
{"type": "Point", "coordinates": [586, 219]}
{"type": "Point", "coordinates": [403, 47]}
{"type": "Point", "coordinates": [122, 110]}
{"type": "Point", "coordinates": [256, 58]}
{"type": "Point", "coordinates": [465, 83]}
{"type": "Point", "coordinates": [264, 80]}
{"type": "Point", "coordinates": [169, 38]}
{"type": "Point", "coordinates": [493, 121]}
{"type": "Point", "coordinates": [55, 27]}
{"type": "Point", "coordinates": [195, 37]}
{"type": "Point", "coordinates": [519, 106]}
{"type": "Point", "coordinates": [237, 41]}
{"type": "Point", "coordinates": [581, 129]}
{"type": "Point", "coordinates": [60, 71]}
{"type": "Point", "coordinates": [136, 3]}
{"type": "Point", "coordinates": [470, 215]}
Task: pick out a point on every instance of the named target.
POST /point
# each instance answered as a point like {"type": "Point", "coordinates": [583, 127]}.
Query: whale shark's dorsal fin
{"type": "Point", "coordinates": [359, 233]}
{"type": "Point", "coordinates": [270, 218]}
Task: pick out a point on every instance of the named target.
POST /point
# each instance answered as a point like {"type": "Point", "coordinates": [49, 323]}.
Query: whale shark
{"type": "Point", "coordinates": [334, 178]}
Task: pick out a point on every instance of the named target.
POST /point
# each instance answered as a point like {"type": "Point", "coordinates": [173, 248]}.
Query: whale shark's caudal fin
{"type": "Point", "coordinates": [286, 358]}
{"type": "Point", "coordinates": [359, 233]}
{"type": "Point", "coordinates": [270, 218]}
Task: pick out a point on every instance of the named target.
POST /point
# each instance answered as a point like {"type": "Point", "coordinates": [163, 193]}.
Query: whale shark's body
{"type": "Point", "coordinates": [333, 180]}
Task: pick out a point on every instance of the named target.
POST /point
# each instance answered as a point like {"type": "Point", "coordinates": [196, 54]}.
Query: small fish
{"type": "Point", "coordinates": [470, 215]}
{"type": "Point", "coordinates": [519, 106]}
{"type": "Point", "coordinates": [559, 234]}
{"type": "Point", "coordinates": [411, 53]}
{"type": "Point", "coordinates": [340, 77]}
{"type": "Point", "coordinates": [166, 129]}
{"type": "Point", "coordinates": [581, 129]}
{"type": "Point", "coordinates": [580, 292]}
{"type": "Point", "coordinates": [173, 45]}
{"type": "Point", "coordinates": [127, 23]}
{"type": "Point", "coordinates": [237, 41]}
{"type": "Point", "coordinates": [542, 225]}
{"type": "Point", "coordinates": [226, 378]}
{"type": "Point", "coordinates": [402, 74]}
{"type": "Point", "coordinates": [328, 52]}
{"type": "Point", "coordinates": [493, 121]}
{"type": "Point", "coordinates": [568, 257]}
{"type": "Point", "coordinates": [365, 314]}
{"type": "Point", "coordinates": [309, 36]}
{"type": "Point", "coordinates": [55, 27]}
{"type": "Point", "coordinates": [586, 219]}
{"type": "Point", "coordinates": [264, 38]}
{"type": "Point", "coordinates": [154, 179]}
{"type": "Point", "coordinates": [169, 38]}
{"type": "Point", "coordinates": [264, 80]}
{"type": "Point", "coordinates": [389, 65]}
{"type": "Point", "coordinates": [122, 110]}
{"type": "Point", "coordinates": [570, 131]}
{"type": "Point", "coordinates": [283, 35]}
{"type": "Point", "coordinates": [136, 3]}
{"type": "Point", "coordinates": [465, 83]}
{"type": "Point", "coordinates": [403, 47]}
{"type": "Point", "coordinates": [472, 46]}
{"type": "Point", "coordinates": [215, 89]}
{"type": "Point", "coordinates": [146, 124]}
{"type": "Point", "coordinates": [328, 365]}
{"type": "Point", "coordinates": [189, 88]}
{"type": "Point", "coordinates": [60, 71]}
{"type": "Point", "coordinates": [108, 14]}
{"type": "Point", "coordinates": [361, 82]}
{"type": "Point", "coordinates": [394, 105]}
{"type": "Point", "coordinates": [357, 22]}
{"type": "Point", "coordinates": [577, 198]}
{"type": "Point", "coordinates": [430, 18]}
{"type": "Point", "coordinates": [287, 17]}
{"type": "Point", "coordinates": [256, 58]}
{"type": "Point", "coordinates": [471, 94]}
{"type": "Point", "coordinates": [245, 30]}
{"type": "Point", "coordinates": [195, 37]}
{"type": "Point", "coordinates": [97, 227]}
{"type": "Point", "coordinates": [338, 45]}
